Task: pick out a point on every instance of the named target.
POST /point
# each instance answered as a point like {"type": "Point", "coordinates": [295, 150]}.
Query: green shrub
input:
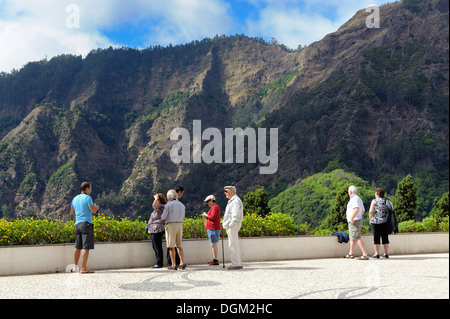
{"type": "Point", "coordinates": [42, 231]}
{"type": "Point", "coordinates": [31, 231]}
{"type": "Point", "coordinates": [279, 224]}
{"type": "Point", "coordinates": [443, 225]}
{"type": "Point", "coordinates": [108, 229]}
{"type": "Point", "coordinates": [252, 225]}
{"type": "Point", "coordinates": [430, 224]}
{"type": "Point", "coordinates": [409, 226]}
{"type": "Point", "coordinates": [194, 228]}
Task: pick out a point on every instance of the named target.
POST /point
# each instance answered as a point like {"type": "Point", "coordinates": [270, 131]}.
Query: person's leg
{"type": "Point", "coordinates": [171, 243]}
{"type": "Point", "coordinates": [157, 247]}
{"type": "Point", "coordinates": [180, 253]}
{"type": "Point", "coordinates": [377, 249]}
{"type": "Point", "coordinates": [385, 239]}
{"type": "Point", "coordinates": [84, 259]}
{"type": "Point", "coordinates": [376, 240]}
{"type": "Point", "coordinates": [179, 243]}
{"type": "Point", "coordinates": [76, 258]}
{"type": "Point", "coordinates": [172, 256]}
{"type": "Point", "coordinates": [352, 247]}
{"type": "Point", "coordinates": [88, 244]}
{"type": "Point", "coordinates": [214, 250]}
{"type": "Point", "coordinates": [233, 243]}
{"type": "Point", "coordinates": [78, 247]}
{"type": "Point", "coordinates": [353, 235]}
{"type": "Point", "coordinates": [361, 246]}
{"type": "Point", "coordinates": [357, 236]}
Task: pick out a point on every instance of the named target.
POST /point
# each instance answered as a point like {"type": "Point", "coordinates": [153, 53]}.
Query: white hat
{"type": "Point", "coordinates": [209, 198]}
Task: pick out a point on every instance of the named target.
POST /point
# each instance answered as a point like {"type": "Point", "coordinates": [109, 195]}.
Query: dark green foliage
{"type": "Point", "coordinates": [441, 207]}
{"type": "Point", "coordinates": [406, 199]}
{"type": "Point", "coordinates": [337, 218]}
{"type": "Point", "coordinates": [310, 200]}
{"type": "Point", "coordinates": [257, 202]}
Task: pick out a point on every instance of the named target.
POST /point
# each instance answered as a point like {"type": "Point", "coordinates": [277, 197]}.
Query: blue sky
{"type": "Point", "coordinates": [32, 30]}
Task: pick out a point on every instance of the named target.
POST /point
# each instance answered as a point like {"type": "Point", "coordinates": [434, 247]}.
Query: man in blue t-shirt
{"type": "Point", "coordinates": [83, 207]}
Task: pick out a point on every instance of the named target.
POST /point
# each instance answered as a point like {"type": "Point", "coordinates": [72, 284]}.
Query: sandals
{"type": "Point", "coordinates": [349, 256]}
{"type": "Point", "coordinates": [363, 257]}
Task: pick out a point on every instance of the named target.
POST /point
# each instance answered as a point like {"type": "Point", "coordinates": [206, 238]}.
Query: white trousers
{"type": "Point", "coordinates": [233, 244]}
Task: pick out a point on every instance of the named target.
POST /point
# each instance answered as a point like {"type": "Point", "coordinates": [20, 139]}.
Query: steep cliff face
{"type": "Point", "coordinates": [373, 101]}
{"type": "Point", "coordinates": [110, 119]}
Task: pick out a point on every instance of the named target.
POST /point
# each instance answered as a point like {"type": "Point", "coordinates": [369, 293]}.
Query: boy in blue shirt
{"type": "Point", "coordinates": [83, 207]}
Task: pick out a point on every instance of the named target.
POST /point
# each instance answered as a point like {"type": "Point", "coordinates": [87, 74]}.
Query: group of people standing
{"type": "Point", "coordinates": [171, 212]}
{"type": "Point", "coordinates": [168, 215]}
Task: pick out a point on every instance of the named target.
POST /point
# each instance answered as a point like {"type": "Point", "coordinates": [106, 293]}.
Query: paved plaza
{"type": "Point", "coordinates": [406, 277]}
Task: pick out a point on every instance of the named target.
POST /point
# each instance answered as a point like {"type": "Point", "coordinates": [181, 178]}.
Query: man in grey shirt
{"type": "Point", "coordinates": [173, 214]}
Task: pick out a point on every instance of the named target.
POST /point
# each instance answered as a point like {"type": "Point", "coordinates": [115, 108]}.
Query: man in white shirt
{"type": "Point", "coordinates": [232, 221]}
{"type": "Point", "coordinates": [355, 210]}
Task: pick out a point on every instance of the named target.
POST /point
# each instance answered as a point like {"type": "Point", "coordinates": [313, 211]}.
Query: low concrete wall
{"type": "Point", "coordinates": [24, 260]}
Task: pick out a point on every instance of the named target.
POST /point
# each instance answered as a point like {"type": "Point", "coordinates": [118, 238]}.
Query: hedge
{"type": "Point", "coordinates": [43, 230]}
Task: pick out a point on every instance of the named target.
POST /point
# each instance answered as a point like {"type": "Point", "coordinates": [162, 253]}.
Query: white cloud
{"type": "Point", "coordinates": [294, 22]}
{"type": "Point", "coordinates": [182, 21]}
{"type": "Point", "coordinates": [291, 27]}
{"type": "Point", "coordinates": [32, 30]}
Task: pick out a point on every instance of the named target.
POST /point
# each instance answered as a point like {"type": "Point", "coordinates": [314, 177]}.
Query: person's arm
{"type": "Point", "coordinates": [72, 211]}
{"type": "Point", "coordinates": [165, 212]}
{"type": "Point", "coordinates": [355, 213]}
{"type": "Point", "coordinates": [155, 202]}
{"type": "Point", "coordinates": [94, 208]}
{"type": "Point", "coordinates": [371, 209]}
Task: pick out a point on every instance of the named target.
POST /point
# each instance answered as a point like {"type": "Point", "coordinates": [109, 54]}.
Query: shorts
{"type": "Point", "coordinates": [380, 230]}
{"type": "Point", "coordinates": [355, 229]}
{"type": "Point", "coordinates": [174, 235]}
{"type": "Point", "coordinates": [213, 235]}
{"type": "Point", "coordinates": [84, 236]}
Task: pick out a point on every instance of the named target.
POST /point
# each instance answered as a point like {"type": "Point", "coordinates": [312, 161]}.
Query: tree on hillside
{"type": "Point", "coordinates": [406, 199]}
{"type": "Point", "coordinates": [441, 207]}
{"type": "Point", "coordinates": [337, 219]}
{"type": "Point", "coordinates": [257, 202]}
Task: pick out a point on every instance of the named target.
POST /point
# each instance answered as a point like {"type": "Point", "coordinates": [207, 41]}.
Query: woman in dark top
{"type": "Point", "coordinates": [156, 228]}
{"type": "Point", "coordinates": [378, 216]}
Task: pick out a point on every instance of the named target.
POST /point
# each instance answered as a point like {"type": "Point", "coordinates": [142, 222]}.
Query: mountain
{"type": "Point", "coordinates": [371, 101]}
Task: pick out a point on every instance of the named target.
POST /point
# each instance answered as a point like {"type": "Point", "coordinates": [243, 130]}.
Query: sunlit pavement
{"type": "Point", "coordinates": [399, 277]}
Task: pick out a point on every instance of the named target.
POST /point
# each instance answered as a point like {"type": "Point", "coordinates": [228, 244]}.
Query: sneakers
{"type": "Point", "coordinates": [213, 262]}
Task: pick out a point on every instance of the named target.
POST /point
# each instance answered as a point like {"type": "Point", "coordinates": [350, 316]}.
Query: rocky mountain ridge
{"type": "Point", "coordinates": [372, 101]}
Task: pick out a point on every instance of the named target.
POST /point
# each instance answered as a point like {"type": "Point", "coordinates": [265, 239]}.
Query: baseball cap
{"type": "Point", "coordinates": [209, 198]}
